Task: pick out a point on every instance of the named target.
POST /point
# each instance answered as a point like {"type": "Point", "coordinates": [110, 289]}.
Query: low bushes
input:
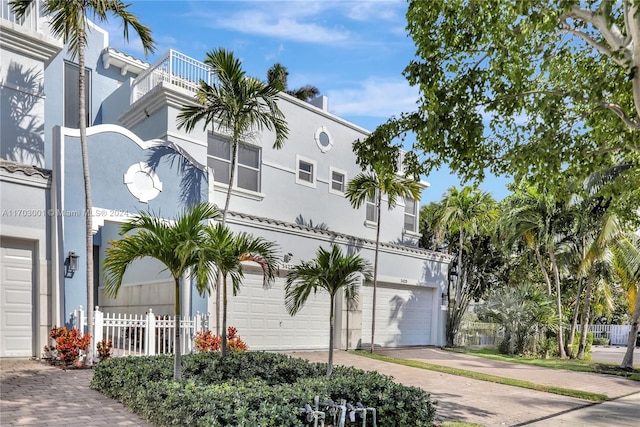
{"type": "Point", "coordinates": [251, 389]}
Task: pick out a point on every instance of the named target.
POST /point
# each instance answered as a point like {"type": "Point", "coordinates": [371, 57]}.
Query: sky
{"type": "Point", "coordinates": [354, 52]}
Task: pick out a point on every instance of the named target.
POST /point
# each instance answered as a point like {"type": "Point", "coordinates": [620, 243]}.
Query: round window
{"type": "Point", "coordinates": [323, 139]}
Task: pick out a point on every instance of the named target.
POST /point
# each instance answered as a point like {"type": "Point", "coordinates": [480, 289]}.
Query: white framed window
{"type": "Point", "coordinates": [337, 181]}
{"type": "Point", "coordinates": [323, 139]}
{"type": "Point", "coordinates": [306, 171]}
{"type": "Point", "coordinates": [372, 209]}
{"type": "Point", "coordinates": [71, 95]}
{"type": "Point", "coordinates": [248, 166]}
{"type": "Point", "coordinates": [410, 215]}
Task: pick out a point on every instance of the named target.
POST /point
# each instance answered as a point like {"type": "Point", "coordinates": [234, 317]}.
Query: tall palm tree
{"type": "Point", "coordinates": [237, 105]}
{"type": "Point", "coordinates": [278, 75]}
{"type": "Point", "coordinates": [627, 251]}
{"type": "Point", "coordinates": [228, 252]}
{"type": "Point", "coordinates": [331, 271]}
{"type": "Point", "coordinates": [179, 245]}
{"type": "Point", "coordinates": [543, 220]}
{"type": "Point", "coordinates": [69, 20]}
{"type": "Point", "coordinates": [465, 213]}
{"type": "Point", "coordinates": [382, 180]}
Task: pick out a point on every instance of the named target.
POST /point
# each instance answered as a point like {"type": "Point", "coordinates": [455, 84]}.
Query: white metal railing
{"type": "Point", "coordinates": [141, 334]}
{"type": "Point", "coordinates": [175, 68]}
{"type": "Point", "coordinates": [31, 18]}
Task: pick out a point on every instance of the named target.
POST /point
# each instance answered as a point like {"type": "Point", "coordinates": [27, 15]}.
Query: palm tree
{"type": "Point", "coordinates": [178, 245]}
{"type": "Point", "coordinates": [465, 213]}
{"type": "Point", "coordinates": [627, 252]}
{"type": "Point", "coordinates": [277, 76]}
{"type": "Point", "coordinates": [237, 105]}
{"type": "Point", "coordinates": [228, 252]}
{"type": "Point", "coordinates": [69, 20]}
{"type": "Point", "coordinates": [371, 186]}
{"type": "Point", "coordinates": [330, 271]}
{"type": "Point", "coordinates": [542, 220]}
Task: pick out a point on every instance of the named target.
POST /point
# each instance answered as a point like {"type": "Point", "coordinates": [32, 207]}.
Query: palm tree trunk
{"type": "Point", "coordinates": [223, 349]}
{"type": "Point", "coordinates": [627, 361]}
{"type": "Point", "coordinates": [586, 317]}
{"type": "Point", "coordinates": [177, 359]}
{"type": "Point", "coordinates": [84, 147]}
{"type": "Point", "coordinates": [574, 322]}
{"type": "Point", "coordinates": [556, 275]}
{"type": "Point", "coordinates": [232, 174]}
{"type": "Point", "coordinates": [375, 271]}
{"type": "Point", "coordinates": [453, 313]}
{"type": "Point", "coordinates": [331, 326]}
{"type": "Point", "coordinates": [545, 274]}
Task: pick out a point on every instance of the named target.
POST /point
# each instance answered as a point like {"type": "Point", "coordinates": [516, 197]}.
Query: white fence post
{"type": "Point", "coordinates": [150, 347]}
{"type": "Point", "coordinates": [79, 321]}
{"type": "Point", "coordinates": [98, 330]}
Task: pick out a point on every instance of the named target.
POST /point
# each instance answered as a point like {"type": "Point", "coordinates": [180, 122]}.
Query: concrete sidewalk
{"type": "Point", "coordinates": [35, 394]}
{"type": "Point", "coordinates": [492, 404]}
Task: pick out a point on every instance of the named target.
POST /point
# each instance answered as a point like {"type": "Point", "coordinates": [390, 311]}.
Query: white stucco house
{"type": "Point", "coordinates": [139, 160]}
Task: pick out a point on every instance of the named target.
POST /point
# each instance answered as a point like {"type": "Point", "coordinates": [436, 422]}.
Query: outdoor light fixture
{"type": "Point", "coordinates": [71, 264]}
{"type": "Point", "coordinates": [287, 257]}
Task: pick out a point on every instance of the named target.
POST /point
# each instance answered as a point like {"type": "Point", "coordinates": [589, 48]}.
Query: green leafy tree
{"type": "Point", "coordinates": [542, 220]}
{"type": "Point", "coordinates": [278, 75]}
{"type": "Point", "coordinates": [69, 21]}
{"type": "Point", "coordinates": [463, 215]}
{"type": "Point", "coordinates": [529, 88]}
{"type": "Point", "coordinates": [331, 271]}
{"type": "Point", "coordinates": [381, 179]}
{"type": "Point", "coordinates": [237, 105]}
{"type": "Point", "coordinates": [522, 312]}
{"type": "Point", "coordinates": [228, 252]}
{"type": "Point", "coordinates": [179, 245]}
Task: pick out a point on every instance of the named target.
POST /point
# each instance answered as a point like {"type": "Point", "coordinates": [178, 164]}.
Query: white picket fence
{"type": "Point", "coordinates": [490, 334]}
{"type": "Point", "coordinates": [141, 334]}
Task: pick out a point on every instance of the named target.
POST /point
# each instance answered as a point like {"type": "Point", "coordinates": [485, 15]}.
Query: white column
{"type": "Point", "coordinates": [150, 344]}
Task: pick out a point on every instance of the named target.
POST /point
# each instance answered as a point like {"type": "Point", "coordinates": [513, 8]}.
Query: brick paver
{"type": "Point", "coordinates": [465, 399]}
{"type": "Point", "coordinates": [608, 385]}
{"type": "Point", "coordinates": [35, 394]}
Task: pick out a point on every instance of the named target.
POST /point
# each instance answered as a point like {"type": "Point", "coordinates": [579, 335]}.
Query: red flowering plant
{"type": "Point", "coordinates": [207, 341]}
{"type": "Point", "coordinates": [104, 349]}
{"type": "Point", "coordinates": [69, 345]}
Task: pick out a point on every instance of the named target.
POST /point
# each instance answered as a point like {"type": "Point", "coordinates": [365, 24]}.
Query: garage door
{"type": "Point", "coordinates": [16, 299]}
{"type": "Point", "coordinates": [264, 324]}
{"type": "Point", "coordinates": [403, 315]}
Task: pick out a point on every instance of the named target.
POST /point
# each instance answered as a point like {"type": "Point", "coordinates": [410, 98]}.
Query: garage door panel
{"type": "Point", "coordinates": [16, 299]}
{"type": "Point", "coordinates": [270, 325]}
{"type": "Point", "coordinates": [403, 315]}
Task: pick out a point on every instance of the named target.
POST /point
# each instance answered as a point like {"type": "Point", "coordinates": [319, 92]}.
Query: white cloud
{"type": "Point", "coordinates": [376, 97]}
{"type": "Point", "coordinates": [387, 10]}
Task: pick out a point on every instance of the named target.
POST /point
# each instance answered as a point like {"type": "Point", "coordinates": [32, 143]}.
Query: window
{"type": "Point", "coordinates": [247, 168]}
{"type": "Point", "coordinates": [410, 215]}
{"type": "Point", "coordinates": [306, 173]}
{"type": "Point", "coordinates": [72, 93]}
{"type": "Point", "coordinates": [338, 181]}
{"type": "Point", "coordinates": [372, 210]}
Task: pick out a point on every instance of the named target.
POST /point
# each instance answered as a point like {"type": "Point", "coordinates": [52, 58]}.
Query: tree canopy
{"type": "Point", "coordinates": [524, 88]}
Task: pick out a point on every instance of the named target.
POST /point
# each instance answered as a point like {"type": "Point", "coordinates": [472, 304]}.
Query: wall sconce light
{"type": "Point", "coordinates": [71, 264]}
{"type": "Point", "coordinates": [287, 257]}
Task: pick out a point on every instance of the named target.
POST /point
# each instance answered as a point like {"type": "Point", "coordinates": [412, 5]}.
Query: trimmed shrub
{"type": "Point", "coordinates": [251, 389]}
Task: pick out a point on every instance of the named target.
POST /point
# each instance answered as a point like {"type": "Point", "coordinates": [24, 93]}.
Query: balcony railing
{"type": "Point", "coordinates": [30, 20]}
{"type": "Point", "coordinates": [174, 68]}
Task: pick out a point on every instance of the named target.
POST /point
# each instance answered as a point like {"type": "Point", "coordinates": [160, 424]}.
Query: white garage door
{"type": "Point", "coordinates": [16, 300]}
{"type": "Point", "coordinates": [264, 323]}
{"type": "Point", "coordinates": [403, 315]}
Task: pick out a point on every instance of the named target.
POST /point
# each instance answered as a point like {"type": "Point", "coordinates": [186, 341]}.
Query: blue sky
{"type": "Point", "coordinates": [353, 51]}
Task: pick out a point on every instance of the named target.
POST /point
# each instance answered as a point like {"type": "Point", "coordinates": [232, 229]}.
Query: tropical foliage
{"type": "Point", "coordinates": [277, 75]}
{"type": "Point", "coordinates": [179, 245]}
{"type": "Point", "coordinates": [332, 272]}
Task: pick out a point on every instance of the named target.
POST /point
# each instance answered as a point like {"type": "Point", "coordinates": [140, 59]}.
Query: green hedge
{"type": "Point", "coordinates": [251, 389]}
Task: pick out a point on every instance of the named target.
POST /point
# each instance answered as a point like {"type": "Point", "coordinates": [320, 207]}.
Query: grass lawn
{"type": "Point", "coordinates": [594, 397]}
{"type": "Point", "coordinates": [566, 364]}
